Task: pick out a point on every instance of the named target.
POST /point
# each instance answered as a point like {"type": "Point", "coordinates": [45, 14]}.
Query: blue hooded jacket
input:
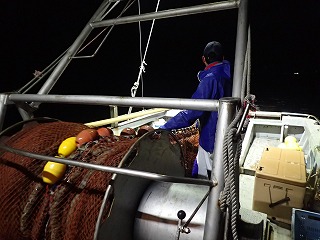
{"type": "Point", "coordinates": [215, 83]}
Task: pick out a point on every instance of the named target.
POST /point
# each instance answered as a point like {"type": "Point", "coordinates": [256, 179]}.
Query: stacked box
{"type": "Point", "coordinates": [280, 183]}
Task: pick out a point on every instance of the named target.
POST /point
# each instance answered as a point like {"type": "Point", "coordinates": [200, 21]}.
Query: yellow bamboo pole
{"type": "Point", "coordinates": [124, 117]}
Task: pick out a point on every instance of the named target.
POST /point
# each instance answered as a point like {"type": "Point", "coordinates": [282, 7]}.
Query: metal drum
{"type": "Point", "coordinates": [162, 155]}
{"type": "Point", "coordinates": [156, 217]}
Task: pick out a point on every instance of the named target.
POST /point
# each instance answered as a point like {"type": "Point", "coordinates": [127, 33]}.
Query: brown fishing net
{"type": "Point", "coordinates": [31, 209]}
{"type": "Point", "coordinates": [77, 200]}
{"type": "Point", "coordinates": [21, 188]}
{"type": "Point", "coordinates": [189, 141]}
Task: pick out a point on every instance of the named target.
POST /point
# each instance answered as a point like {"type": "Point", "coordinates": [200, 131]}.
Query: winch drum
{"type": "Point", "coordinates": [161, 155]}
{"type": "Point", "coordinates": [156, 216]}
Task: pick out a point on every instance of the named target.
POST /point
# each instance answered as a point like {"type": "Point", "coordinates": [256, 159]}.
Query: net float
{"type": "Point", "coordinates": [105, 132]}
{"type": "Point", "coordinates": [144, 129]}
{"type": "Point", "coordinates": [53, 172]}
{"type": "Point", "coordinates": [128, 132]}
{"type": "Point", "coordinates": [67, 146]}
{"type": "Point", "coordinates": [85, 136]}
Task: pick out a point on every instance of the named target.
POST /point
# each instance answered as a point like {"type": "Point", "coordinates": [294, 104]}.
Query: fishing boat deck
{"type": "Point", "coordinates": [258, 145]}
{"type": "Point", "coordinates": [265, 133]}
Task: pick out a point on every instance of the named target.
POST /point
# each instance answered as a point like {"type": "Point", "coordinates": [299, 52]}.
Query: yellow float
{"type": "Point", "coordinates": [53, 172]}
{"type": "Point", "coordinates": [290, 142]}
{"type": "Point", "coordinates": [67, 147]}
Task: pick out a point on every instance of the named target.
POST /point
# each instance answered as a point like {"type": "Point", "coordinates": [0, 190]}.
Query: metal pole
{"type": "Point", "coordinates": [214, 223]}
{"type": "Point", "coordinates": [241, 43]}
{"type": "Point", "coordinates": [3, 109]}
{"type": "Point", "coordinates": [65, 60]}
{"type": "Point", "coordinates": [123, 171]}
{"type": "Point", "coordinates": [113, 114]}
{"type": "Point", "coordinates": [4, 101]}
{"type": "Point", "coordinates": [175, 103]}
{"type": "Point", "coordinates": [217, 6]}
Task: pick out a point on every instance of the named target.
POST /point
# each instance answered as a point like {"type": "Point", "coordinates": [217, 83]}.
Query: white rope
{"type": "Point", "coordinates": [136, 84]}
{"type": "Point", "coordinates": [142, 68]}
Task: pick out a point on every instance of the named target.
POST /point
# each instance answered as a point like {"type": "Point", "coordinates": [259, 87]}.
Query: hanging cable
{"type": "Point", "coordinates": [249, 61]}
{"type": "Point", "coordinates": [143, 63]}
{"type": "Point", "coordinates": [128, 5]}
{"type": "Point", "coordinates": [140, 48]}
{"type": "Point", "coordinates": [41, 74]}
{"type": "Point", "coordinates": [246, 75]}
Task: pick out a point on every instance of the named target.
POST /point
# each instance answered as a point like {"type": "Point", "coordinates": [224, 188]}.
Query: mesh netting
{"type": "Point", "coordinates": [21, 187]}
{"type": "Point", "coordinates": [76, 201]}
{"type": "Point", "coordinates": [189, 141]}
{"type": "Point", "coordinates": [68, 210]}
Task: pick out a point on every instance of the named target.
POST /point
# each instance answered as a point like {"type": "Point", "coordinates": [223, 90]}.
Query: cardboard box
{"type": "Point", "coordinates": [280, 183]}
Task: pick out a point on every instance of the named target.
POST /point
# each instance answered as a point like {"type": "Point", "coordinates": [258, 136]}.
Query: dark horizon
{"type": "Point", "coordinates": [285, 62]}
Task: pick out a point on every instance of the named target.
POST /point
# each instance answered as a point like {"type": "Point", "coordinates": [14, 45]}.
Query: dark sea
{"type": "Point", "coordinates": [297, 93]}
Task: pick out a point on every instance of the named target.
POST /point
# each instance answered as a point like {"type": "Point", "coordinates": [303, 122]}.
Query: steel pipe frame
{"type": "Point", "coordinates": [129, 172]}
{"type": "Point", "coordinates": [65, 60]}
{"type": "Point", "coordinates": [216, 6]}
{"type": "Point", "coordinates": [241, 43]}
{"type": "Point", "coordinates": [213, 223]}
{"type": "Point", "coordinates": [174, 103]}
{"type": "Point", "coordinates": [3, 108]}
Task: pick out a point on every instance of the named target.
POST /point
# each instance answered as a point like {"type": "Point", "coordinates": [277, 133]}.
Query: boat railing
{"type": "Point", "coordinates": [173, 103]}
{"type": "Point", "coordinates": [145, 102]}
{"type": "Point", "coordinates": [121, 171]}
{"type": "Point", "coordinates": [199, 104]}
{"type": "Point", "coordinates": [280, 115]}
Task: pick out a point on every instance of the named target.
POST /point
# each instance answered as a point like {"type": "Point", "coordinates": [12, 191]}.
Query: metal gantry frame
{"type": "Point", "coordinates": [97, 21]}
{"type": "Point", "coordinates": [226, 107]}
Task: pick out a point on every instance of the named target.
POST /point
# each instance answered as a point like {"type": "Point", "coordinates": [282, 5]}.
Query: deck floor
{"type": "Point", "coordinates": [257, 147]}
{"type": "Point", "coordinates": [246, 199]}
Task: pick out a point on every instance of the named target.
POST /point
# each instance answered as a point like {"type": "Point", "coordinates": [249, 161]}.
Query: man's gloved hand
{"type": "Point", "coordinates": [159, 124]}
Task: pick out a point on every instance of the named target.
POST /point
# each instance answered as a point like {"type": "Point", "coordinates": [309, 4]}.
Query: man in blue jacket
{"type": "Point", "coordinates": [215, 83]}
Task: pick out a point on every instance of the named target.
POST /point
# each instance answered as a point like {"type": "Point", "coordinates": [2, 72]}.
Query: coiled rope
{"type": "Point", "coordinates": [232, 146]}
{"type": "Point", "coordinates": [231, 153]}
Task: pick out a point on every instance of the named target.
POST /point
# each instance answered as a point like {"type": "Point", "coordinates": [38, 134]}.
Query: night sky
{"type": "Point", "coordinates": [285, 52]}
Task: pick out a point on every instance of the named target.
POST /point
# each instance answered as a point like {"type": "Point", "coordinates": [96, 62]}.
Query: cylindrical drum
{"type": "Point", "coordinates": [156, 216]}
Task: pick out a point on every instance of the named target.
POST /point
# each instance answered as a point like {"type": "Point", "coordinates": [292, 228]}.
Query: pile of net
{"type": "Point", "coordinates": [31, 209]}
{"type": "Point", "coordinates": [189, 141]}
